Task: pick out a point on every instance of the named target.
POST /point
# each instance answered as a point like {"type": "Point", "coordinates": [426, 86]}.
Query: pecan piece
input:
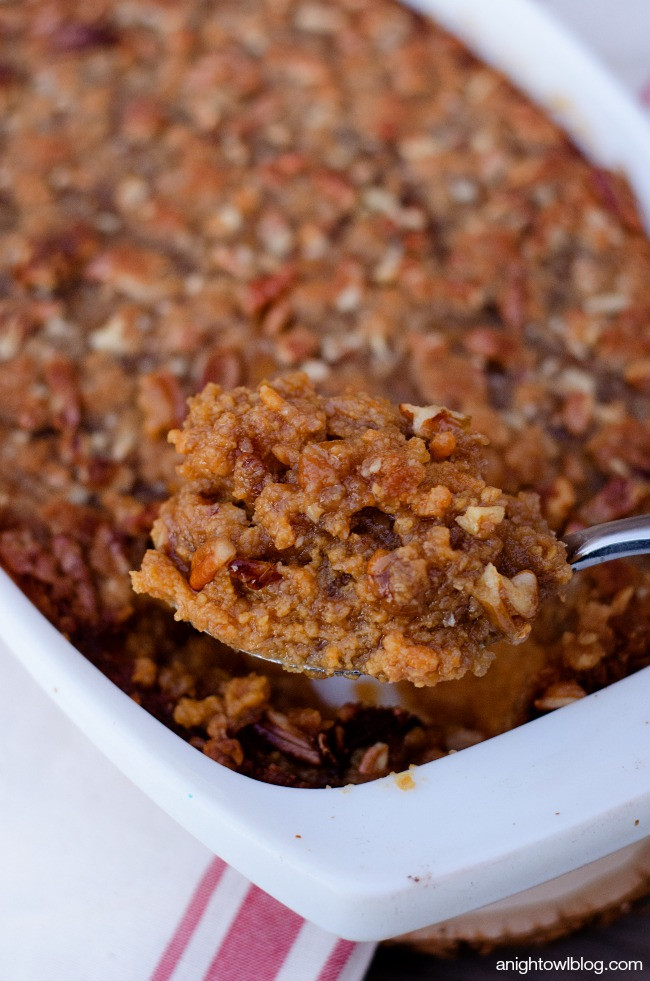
{"type": "Point", "coordinates": [226, 751]}
{"type": "Point", "coordinates": [77, 36]}
{"type": "Point", "coordinates": [245, 697]}
{"type": "Point", "coordinates": [254, 573]}
{"type": "Point", "coordinates": [374, 761]}
{"type": "Point", "coordinates": [426, 419]}
{"type": "Point", "coordinates": [259, 293]}
{"type": "Point", "coordinates": [278, 731]}
{"type": "Point", "coordinates": [161, 401]}
{"type": "Point", "coordinates": [558, 695]}
{"type": "Point", "coordinates": [503, 598]}
{"type": "Point", "coordinates": [480, 522]}
{"type": "Point", "coordinates": [208, 559]}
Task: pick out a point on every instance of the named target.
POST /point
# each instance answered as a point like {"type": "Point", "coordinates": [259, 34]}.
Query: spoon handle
{"type": "Point", "coordinates": [612, 540]}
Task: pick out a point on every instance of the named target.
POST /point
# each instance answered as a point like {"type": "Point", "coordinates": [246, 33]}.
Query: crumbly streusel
{"type": "Point", "coordinates": [192, 193]}
{"type": "Point", "coordinates": [345, 533]}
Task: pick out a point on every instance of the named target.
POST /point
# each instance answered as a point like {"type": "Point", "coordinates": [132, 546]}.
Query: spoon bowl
{"type": "Point", "coordinates": [591, 546]}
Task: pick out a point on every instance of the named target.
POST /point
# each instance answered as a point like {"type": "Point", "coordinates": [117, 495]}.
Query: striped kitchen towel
{"type": "Point", "coordinates": [98, 884]}
{"type": "Point", "coordinates": [232, 930]}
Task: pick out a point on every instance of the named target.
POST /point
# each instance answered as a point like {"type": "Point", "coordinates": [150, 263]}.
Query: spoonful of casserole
{"type": "Point", "coordinates": [349, 535]}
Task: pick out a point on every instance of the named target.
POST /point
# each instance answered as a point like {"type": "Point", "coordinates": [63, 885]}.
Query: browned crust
{"type": "Point", "coordinates": [347, 533]}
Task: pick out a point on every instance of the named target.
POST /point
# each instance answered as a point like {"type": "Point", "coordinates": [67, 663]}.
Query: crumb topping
{"type": "Point", "coordinates": [333, 533]}
{"type": "Point", "coordinates": [194, 193]}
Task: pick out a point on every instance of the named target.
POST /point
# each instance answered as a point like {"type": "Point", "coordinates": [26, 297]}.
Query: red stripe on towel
{"type": "Point", "coordinates": [258, 941]}
{"type": "Point", "coordinates": [189, 921]}
{"type": "Point", "coordinates": [336, 960]}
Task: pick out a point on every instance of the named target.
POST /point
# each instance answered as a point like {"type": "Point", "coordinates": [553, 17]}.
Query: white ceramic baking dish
{"type": "Point", "coordinates": [377, 860]}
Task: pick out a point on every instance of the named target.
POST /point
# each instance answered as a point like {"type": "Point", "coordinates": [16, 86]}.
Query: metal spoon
{"type": "Point", "coordinates": [591, 546]}
{"type": "Point", "coordinates": [611, 540]}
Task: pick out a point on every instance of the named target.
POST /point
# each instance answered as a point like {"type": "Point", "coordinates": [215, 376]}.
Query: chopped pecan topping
{"type": "Point", "coordinates": [190, 712]}
{"type": "Point", "coordinates": [349, 519]}
{"type": "Point", "coordinates": [161, 400]}
{"type": "Point", "coordinates": [426, 419]}
{"type": "Point", "coordinates": [79, 36]}
{"type": "Point", "coordinates": [559, 694]}
{"type": "Point", "coordinates": [177, 210]}
{"type": "Point", "coordinates": [481, 521]}
{"type": "Point", "coordinates": [508, 603]}
{"type": "Point", "coordinates": [374, 761]}
{"type": "Point", "coordinates": [278, 731]}
{"type": "Point", "coordinates": [254, 573]}
{"type": "Point", "coordinates": [209, 558]}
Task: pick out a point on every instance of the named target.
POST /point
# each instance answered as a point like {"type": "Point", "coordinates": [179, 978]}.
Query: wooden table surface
{"type": "Point", "coordinates": [628, 938]}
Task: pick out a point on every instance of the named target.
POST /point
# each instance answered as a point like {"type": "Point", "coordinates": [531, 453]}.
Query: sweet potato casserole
{"type": "Point", "coordinates": [229, 193]}
{"type": "Point", "coordinates": [347, 534]}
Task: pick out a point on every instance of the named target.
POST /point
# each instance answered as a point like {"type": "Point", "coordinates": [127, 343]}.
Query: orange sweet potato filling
{"type": "Point", "coordinates": [347, 534]}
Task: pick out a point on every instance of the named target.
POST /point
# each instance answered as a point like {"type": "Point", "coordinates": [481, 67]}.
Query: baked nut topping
{"type": "Point", "coordinates": [330, 533]}
{"type": "Point", "coordinates": [194, 193]}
